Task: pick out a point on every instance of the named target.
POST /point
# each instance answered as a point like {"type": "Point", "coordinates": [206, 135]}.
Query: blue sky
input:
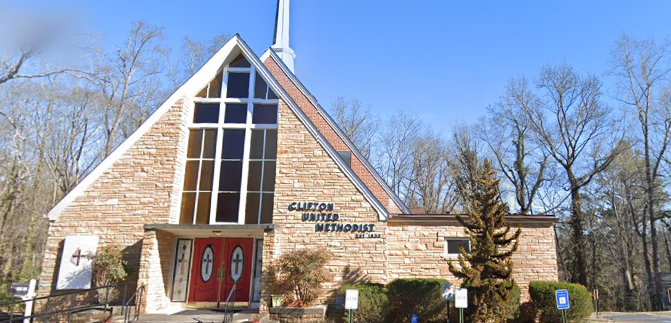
{"type": "Point", "coordinates": [443, 60]}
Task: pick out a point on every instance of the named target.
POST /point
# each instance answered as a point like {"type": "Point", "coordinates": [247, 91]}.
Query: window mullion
{"type": "Point", "coordinates": [247, 150]}
{"type": "Point", "coordinates": [200, 170]}
{"type": "Point", "coordinates": [224, 84]}
{"type": "Point", "coordinates": [263, 169]}
{"type": "Point", "coordinates": [215, 175]}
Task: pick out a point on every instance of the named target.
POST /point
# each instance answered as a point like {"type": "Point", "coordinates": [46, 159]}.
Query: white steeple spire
{"type": "Point", "coordinates": [281, 46]}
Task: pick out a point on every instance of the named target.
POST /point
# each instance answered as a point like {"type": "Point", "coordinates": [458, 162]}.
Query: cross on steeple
{"type": "Point", "coordinates": [281, 40]}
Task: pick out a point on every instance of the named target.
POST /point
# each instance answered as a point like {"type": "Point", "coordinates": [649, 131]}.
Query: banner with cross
{"type": "Point", "coordinates": [75, 271]}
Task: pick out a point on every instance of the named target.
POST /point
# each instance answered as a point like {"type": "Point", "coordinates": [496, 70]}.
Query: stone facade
{"type": "Point", "coordinates": [156, 268]}
{"type": "Point", "coordinates": [419, 251]}
{"type": "Point", "coordinates": [305, 172]}
{"type": "Point", "coordinates": [137, 189]}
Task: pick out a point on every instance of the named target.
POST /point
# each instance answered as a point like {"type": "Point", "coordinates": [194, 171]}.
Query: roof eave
{"type": "Point", "coordinates": [451, 220]}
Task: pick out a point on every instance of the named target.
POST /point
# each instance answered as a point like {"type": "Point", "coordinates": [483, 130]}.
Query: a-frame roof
{"type": "Point", "coordinates": [231, 49]}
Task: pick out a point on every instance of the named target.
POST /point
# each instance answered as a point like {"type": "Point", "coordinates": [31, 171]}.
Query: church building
{"type": "Point", "coordinates": [238, 166]}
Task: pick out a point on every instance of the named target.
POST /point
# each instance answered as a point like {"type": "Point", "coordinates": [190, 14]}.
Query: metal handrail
{"type": "Point", "coordinates": [136, 301]}
{"type": "Point", "coordinates": [20, 301]}
{"type": "Point", "coordinates": [228, 317]}
{"type": "Point", "coordinates": [79, 308]}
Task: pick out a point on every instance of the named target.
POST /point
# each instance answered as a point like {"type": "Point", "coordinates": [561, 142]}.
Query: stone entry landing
{"type": "Point", "coordinates": [194, 316]}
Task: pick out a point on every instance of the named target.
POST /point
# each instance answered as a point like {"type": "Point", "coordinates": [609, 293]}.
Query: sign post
{"type": "Point", "coordinates": [596, 302]}
{"type": "Point", "coordinates": [563, 303]}
{"type": "Point", "coordinates": [461, 302]}
{"type": "Point", "coordinates": [448, 295]}
{"type": "Point", "coordinates": [351, 301]}
{"type": "Point", "coordinates": [25, 292]}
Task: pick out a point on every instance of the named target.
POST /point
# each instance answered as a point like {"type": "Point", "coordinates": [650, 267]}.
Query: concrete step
{"type": "Point", "coordinates": [195, 316]}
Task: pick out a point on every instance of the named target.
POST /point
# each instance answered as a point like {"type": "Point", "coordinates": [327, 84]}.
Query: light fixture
{"type": "Point", "coordinates": [216, 233]}
{"type": "Point", "coordinates": [268, 229]}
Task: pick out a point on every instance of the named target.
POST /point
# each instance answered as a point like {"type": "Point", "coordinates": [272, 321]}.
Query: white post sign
{"type": "Point", "coordinates": [351, 299]}
{"type": "Point", "coordinates": [461, 298]}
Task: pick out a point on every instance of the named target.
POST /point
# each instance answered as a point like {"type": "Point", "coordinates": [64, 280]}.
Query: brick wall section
{"type": "Point", "coordinates": [136, 190]}
{"type": "Point", "coordinates": [305, 172]}
{"type": "Point", "coordinates": [419, 251]}
{"type": "Point", "coordinates": [155, 268]}
{"type": "Point", "coordinates": [331, 136]}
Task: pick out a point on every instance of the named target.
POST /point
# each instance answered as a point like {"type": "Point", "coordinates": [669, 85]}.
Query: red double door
{"type": "Point", "coordinates": [218, 264]}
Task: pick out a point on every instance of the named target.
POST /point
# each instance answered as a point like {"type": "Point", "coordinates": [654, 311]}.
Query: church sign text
{"type": "Point", "coordinates": [327, 221]}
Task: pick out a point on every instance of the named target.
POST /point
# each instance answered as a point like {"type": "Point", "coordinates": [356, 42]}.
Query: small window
{"type": "Point", "coordinates": [239, 61]}
{"type": "Point", "coordinates": [236, 113]}
{"type": "Point", "coordinates": [206, 113]}
{"type": "Point", "coordinates": [264, 114]}
{"type": "Point", "coordinates": [215, 86]}
{"type": "Point", "coordinates": [346, 156]}
{"type": "Point", "coordinates": [262, 90]}
{"type": "Point", "coordinates": [234, 144]}
{"type": "Point", "coordinates": [238, 85]}
{"type": "Point", "coordinates": [452, 246]}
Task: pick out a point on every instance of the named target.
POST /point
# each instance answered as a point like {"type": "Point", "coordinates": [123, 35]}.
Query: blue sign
{"type": "Point", "coordinates": [414, 319]}
{"type": "Point", "coordinates": [562, 299]}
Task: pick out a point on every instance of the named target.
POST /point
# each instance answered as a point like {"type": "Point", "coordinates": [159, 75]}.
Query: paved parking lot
{"type": "Point", "coordinates": [657, 317]}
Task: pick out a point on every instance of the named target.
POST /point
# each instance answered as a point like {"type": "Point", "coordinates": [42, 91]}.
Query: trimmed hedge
{"type": "Point", "coordinates": [422, 297]}
{"type": "Point", "coordinates": [543, 297]}
{"type": "Point", "coordinates": [373, 303]}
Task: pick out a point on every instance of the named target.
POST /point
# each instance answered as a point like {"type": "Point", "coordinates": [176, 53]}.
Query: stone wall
{"type": "Point", "coordinates": [155, 269]}
{"type": "Point", "coordinates": [137, 189]}
{"type": "Point", "coordinates": [416, 251]}
{"type": "Point", "coordinates": [306, 173]}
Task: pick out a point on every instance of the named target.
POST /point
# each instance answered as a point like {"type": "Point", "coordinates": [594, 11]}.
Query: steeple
{"type": "Point", "coordinates": [281, 46]}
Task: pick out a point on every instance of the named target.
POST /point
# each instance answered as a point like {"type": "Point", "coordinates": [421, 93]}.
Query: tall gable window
{"type": "Point", "coordinates": [230, 170]}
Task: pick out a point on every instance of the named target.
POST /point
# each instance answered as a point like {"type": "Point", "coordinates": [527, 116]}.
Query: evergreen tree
{"type": "Point", "coordinates": [487, 270]}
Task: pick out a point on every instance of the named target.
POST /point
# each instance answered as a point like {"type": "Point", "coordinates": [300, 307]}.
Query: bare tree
{"type": "Point", "coordinates": [394, 157]}
{"type": "Point", "coordinates": [192, 57]}
{"type": "Point", "coordinates": [431, 184]}
{"type": "Point", "coordinates": [619, 194]}
{"type": "Point", "coordinates": [359, 124]}
{"type": "Point", "coordinates": [508, 133]}
{"type": "Point", "coordinates": [643, 68]}
{"type": "Point", "coordinates": [126, 79]}
{"type": "Point", "coordinates": [573, 126]}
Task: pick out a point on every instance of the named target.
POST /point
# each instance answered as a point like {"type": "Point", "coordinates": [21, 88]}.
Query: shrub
{"type": "Point", "coordinates": [108, 268]}
{"type": "Point", "coordinates": [513, 305]}
{"type": "Point", "coordinates": [543, 297]}
{"type": "Point", "coordinates": [422, 297]}
{"type": "Point", "coordinates": [302, 272]}
{"type": "Point", "coordinates": [373, 303]}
